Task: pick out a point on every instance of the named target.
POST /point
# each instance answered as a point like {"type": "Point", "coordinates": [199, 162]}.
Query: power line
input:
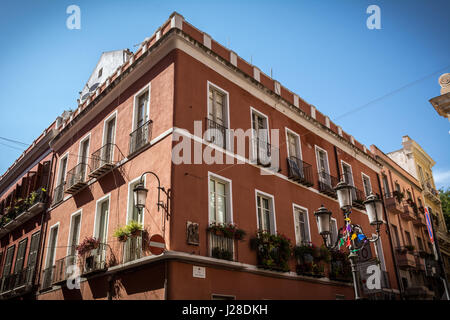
{"type": "Point", "coordinates": [14, 141]}
{"type": "Point", "coordinates": [7, 145]}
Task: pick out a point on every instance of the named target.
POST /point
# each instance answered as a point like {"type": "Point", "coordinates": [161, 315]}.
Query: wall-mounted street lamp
{"type": "Point", "coordinates": [352, 234]}
{"type": "Point", "coordinates": [140, 195]}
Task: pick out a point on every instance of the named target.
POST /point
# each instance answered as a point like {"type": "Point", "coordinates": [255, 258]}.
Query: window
{"type": "Point", "coordinates": [265, 212]}
{"type": "Point", "coordinates": [100, 72]}
{"type": "Point", "coordinates": [409, 194]}
{"type": "Point", "coordinates": [74, 235]}
{"type": "Point", "coordinates": [322, 166]}
{"type": "Point", "coordinates": [420, 243]}
{"type": "Point", "coordinates": [101, 223]}
{"type": "Point", "coordinates": [8, 262]}
{"type": "Point", "coordinates": [134, 214]}
{"type": "Point", "coordinates": [408, 238]}
{"type": "Point", "coordinates": [83, 157]}
{"type": "Point", "coordinates": [395, 237]}
{"type": "Point", "coordinates": [62, 170]}
{"type": "Point", "coordinates": [217, 122]}
{"type": "Point", "coordinates": [52, 246]}
{"type": "Point", "coordinates": [20, 257]}
{"type": "Point", "coordinates": [380, 255]}
{"type": "Point", "coordinates": [219, 200]}
{"type": "Point", "coordinates": [302, 234]}
{"type": "Point", "coordinates": [366, 184]}
{"type": "Point", "coordinates": [420, 174]}
{"type": "Point", "coordinates": [141, 108]}
{"type": "Point", "coordinates": [32, 255]}
{"type": "Point", "coordinates": [293, 144]}
{"type": "Point", "coordinates": [348, 177]}
{"type": "Point", "coordinates": [385, 185]}
{"type": "Point", "coordinates": [260, 133]}
{"type": "Point", "coordinates": [109, 139]}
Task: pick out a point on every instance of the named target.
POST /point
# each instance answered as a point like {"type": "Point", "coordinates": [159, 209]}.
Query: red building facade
{"type": "Point", "coordinates": [151, 114]}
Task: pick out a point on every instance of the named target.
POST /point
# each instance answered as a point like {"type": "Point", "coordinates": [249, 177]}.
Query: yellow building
{"type": "Point", "coordinates": [417, 162]}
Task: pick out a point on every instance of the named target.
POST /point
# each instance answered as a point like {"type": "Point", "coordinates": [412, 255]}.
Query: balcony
{"type": "Point", "coordinates": [23, 211]}
{"type": "Point", "coordinates": [418, 293]}
{"type": "Point", "coordinates": [300, 171]}
{"type": "Point", "coordinates": [327, 184]}
{"type": "Point", "coordinates": [63, 269]}
{"type": "Point", "coordinates": [76, 179]}
{"type": "Point", "coordinates": [431, 193]}
{"type": "Point", "coordinates": [407, 213]}
{"type": "Point", "coordinates": [102, 161]}
{"type": "Point", "coordinates": [58, 194]}
{"type": "Point", "coordinates": [221, 247]}
{"type": "Point", "coordinates": [405, 258]}
{"type": "Point", "coordinates": [420, 263]}
{"type": "Point", "coordinates": [132, 249]}
{"type": "Point", "coordinates": [419, 219]}
{"type": "Point", "coordinates": [94, 261]}
{"type": "Point", "coordinates": [393, 204]}
{"type": "Point", "coordinates": [17, 283]}
{"type": "Point", "coordinates": [140, 137]}
{"type": "Point", "coordinates": [358, 199]}
{"type": "Point", "coordinates": [216, 133]}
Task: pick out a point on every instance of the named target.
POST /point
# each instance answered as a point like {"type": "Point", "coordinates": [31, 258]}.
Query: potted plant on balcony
{"type": "Point", "coordinates": [273, 250]}
{"type": "Point", "coordinates": [134, 228]}
{"type": "Point", "coordinates": [88, 244]}
{"type": "Point", "coordinates": [229, 230]}
{"type": "Point", "coordinates": [121, 234]}
{"type": "Point", "coordinates": [398, 195]}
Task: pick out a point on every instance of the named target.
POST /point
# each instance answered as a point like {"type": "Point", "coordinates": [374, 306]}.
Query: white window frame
{"type": "Point", "coordinates": [65, 156]}
{"type": "Point", "coordinates": [87, 137]}
{"type": "Point", "coordinates": [229, 189]}
{"type": "Point", "coordinates": [97, 212]}
{"type": "Point", "coordinates": [135, 100]}
{"type": "Point", "coordinates": [299, 151]}
{"type": "Point", "coordinates": [351, 171]}
{"type": "Point", "coordinates": [130, 202]}
{"type": "Point", "coordinates": [317, 148]}
{"type": "Point", "coordinates": [380, 255]}
{"type": "Point", "coordinates": [272, 204]}
{"type": "Point", "coordinates": [105, 125]}
{"type": "Point", "coordinates": [253, 149]}
{"type": "Point", "coordinates": [69, 238]}
{"type": "Point", "coordinates": [227, 113]}
{"type": "Point", "coordinates": [56, 225]}
{"type": "Point", "coordinates": [370, 183]}
{"type": "Point", "coordinates": [297, 236]}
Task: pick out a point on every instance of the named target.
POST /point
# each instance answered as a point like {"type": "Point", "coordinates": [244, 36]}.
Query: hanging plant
{"type": "Point", "coordinates": [121, 234]}
{"type": "Point", "coordinates": [88, 244]}
{"type": "Point", "coordinates": [134, 228]}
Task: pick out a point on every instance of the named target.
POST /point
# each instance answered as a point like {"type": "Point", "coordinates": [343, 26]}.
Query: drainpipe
{"type": "Point", "coordinates": [394, 257]}
{"type": "Point", "coordinates": [38, 267]}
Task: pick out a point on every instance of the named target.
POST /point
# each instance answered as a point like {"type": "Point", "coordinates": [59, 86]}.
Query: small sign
{"type": "Point", "coordinates": [199, 272]}
{"type": "Point", "coordinates": [157, 244]}
{"type": "Point", "coordinates": [429, 226]}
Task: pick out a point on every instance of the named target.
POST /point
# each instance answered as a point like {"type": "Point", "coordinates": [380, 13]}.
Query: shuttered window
{"type": "Point", "coordinates": [20, 257]}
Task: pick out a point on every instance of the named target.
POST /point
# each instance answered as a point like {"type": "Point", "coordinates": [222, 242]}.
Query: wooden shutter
{"type": "Point", "coordinates": [8, 261]}
{"type": "Point", "coordinates": [20, 257]}
{"type": "Point", "coordinates": [34, 247]}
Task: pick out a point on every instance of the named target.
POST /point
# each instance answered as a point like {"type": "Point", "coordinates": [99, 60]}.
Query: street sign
{"type": "Point", "coordinates": [157, 244]}
{"type": "Point", "coordinates": [429, 226]}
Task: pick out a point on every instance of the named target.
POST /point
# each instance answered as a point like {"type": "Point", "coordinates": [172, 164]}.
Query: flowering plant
{"type": "Point", "coordinates": [229, 230]}
{"type": "Point", "coordinates": [88, 244]}
{"type": "Point", "coordinates": [273, 250]}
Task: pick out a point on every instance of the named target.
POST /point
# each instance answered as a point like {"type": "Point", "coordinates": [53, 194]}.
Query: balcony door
{"type": "Point", "coordinates": [83, 158]}
{"type": "Point", "coordinates": [50, 261]}
{"type": "Point", "coordinates": [74, 238]}
{"type": "Point", "coordinates": [348, 177]}
{"type": "Point", "coordinates": [133, 245]}
{"type": "Point", "coordinates": [109, 140]}
{"type": "Point", "coordinates": [322, 166]}
{"type": "Point", "coordinates": [141, 109]}
{"type": "Point", "coordinates": [386, 186]}
{"type": "Point", "coordinates": [217, 116]}
{"type": "Point", "coordinates": [32, 255]}
{"type": "Point", "coordinates": [261, 147]}
{"type": "Point", "coordinates": [101, 234]}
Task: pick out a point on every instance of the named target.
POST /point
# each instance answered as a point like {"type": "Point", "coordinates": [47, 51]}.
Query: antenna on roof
{"type": "Point", "coordinates": [271, 73]}
{"type": "Point", "coordinates": [251, 59]}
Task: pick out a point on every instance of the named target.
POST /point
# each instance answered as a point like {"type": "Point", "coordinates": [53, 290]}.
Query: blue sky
{"type": "Point", "coordinates": [321, 50]}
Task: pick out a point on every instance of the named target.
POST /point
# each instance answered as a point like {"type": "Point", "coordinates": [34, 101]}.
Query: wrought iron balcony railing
{"type": "Point", "coordinates": [140, 137]}
{"type": "Point", "coordinates": [64, 268]}
{"type": "Point", "coordinates": [221, 247]}
{"type": "Point", "coordinates": [300, 171]}
{"type": "Point", "coordinates": [102, 161]}
{"type": "Point", "coordinates": [94, 261]}
{"type": "Point", "coordinates": [216, 133]}
{"type": "Point", "coordinates": [132, 249]}
{"type": "Point", "coordinates": [327, 183]}
{"type": "Point", "coordinates": [358, 198]}
{"type": "Point", "coordinates": [76, 178]}
{"type": "Point", "coordinates": [58, 193]}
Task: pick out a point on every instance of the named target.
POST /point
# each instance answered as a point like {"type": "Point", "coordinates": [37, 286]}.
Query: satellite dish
{"type": "Point", "coordinates": [94, 86]}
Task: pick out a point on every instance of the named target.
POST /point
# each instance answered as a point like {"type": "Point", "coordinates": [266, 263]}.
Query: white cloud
{"type": "Point", "coordinates": [442, 179]}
